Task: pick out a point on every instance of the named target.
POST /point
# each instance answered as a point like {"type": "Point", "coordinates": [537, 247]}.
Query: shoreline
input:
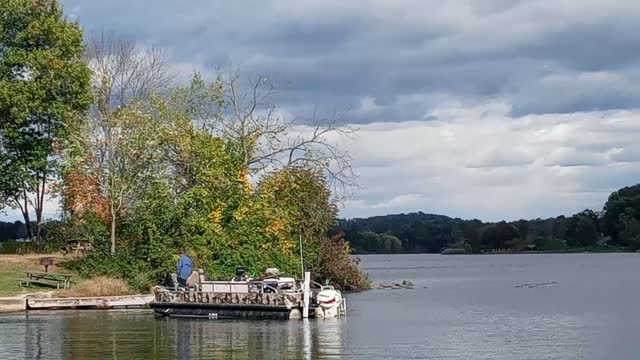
{"type": "Point", "coordinates": [568, 251]}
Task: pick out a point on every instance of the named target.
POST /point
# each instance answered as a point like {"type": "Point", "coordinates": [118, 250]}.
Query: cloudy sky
{"type": "Point", "coordinates": [485, 109]}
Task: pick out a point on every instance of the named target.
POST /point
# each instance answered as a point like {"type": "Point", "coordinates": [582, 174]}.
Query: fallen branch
{"type": "Point", "coordinates": [533, 285]}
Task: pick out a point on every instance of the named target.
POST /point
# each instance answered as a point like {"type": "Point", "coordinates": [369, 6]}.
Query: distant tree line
{"type": "Point", "coordinates": [616, 226]}
{"type": "Point", "coordinates": [12, 230]}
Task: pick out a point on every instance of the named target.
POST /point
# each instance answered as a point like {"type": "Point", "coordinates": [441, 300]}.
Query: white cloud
{"type": "Point", "coordinates": [514, 92]}
{"type": "Point", "coordinates": [481, 163]}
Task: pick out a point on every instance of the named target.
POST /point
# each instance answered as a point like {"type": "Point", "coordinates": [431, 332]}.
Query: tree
{"type": "Point", "coordinates": [583, 229]}
{"type": "Point", "coordinates": [122, 153]}
{"type": "Point", "coordinates": [43, 83]}
{"type": "Point", "coordinates": [307, 209]}
{"type": "Point", "coordinates": [624, 202]}
{"type": "Point", "coordinates": [630, 234]}
{"type": "Point", "coordinates": [497, 236]}
{"type": "Point", "coordinates": [267, 139]}
{"type": "Point", "coordinates": [380, 243]}
{"type": "Point", "coordinates": [124, 72]}
{"type": "Point", "coordinates": [173, 178]}
{"type": "Point", "coordinates": [114, 152]}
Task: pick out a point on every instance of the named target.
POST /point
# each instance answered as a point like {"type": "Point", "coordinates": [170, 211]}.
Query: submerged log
{"type": "Point", "coordinates": [402, 285]}
{"type": "Point", "coordinates": [534, 285]}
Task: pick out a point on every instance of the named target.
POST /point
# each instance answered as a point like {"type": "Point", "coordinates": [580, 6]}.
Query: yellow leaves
{"type": "Point", "coordinates": [245, 181]}
{"type": "Point", "coordinates": [216, 220]}
{"type": "Point", "coordinates": [277, 229]}
{"type": "Point", "coordinates": [240, 214]}
{"type": "Point", "coordinates": [287, 245]}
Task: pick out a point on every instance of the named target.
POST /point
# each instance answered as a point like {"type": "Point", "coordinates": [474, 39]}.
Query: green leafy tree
{"type": "Point", "coordinates": [122, 152]}
{"type": "Point", "coordinates": [43, 83]}
{"type": "Point", "coordinates": [583, 229]}
{"type": "Point", "coordinates": [622, 203]}
{"type": "Point", "coordinates": [185, 174]}
{"type": "Point", "coordinates": [630, 235]}
{"type": "Point", "coordinates": [380, 243]}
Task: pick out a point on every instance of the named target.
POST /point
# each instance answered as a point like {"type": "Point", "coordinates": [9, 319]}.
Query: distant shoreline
{"type": "Point", "coordinates": [567, 251]}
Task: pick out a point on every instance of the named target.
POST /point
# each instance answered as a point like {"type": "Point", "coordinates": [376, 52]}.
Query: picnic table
{"type": "Point", "coordinates": [77, 247]}
{"type": "Point", "coordinates": [48, 279]}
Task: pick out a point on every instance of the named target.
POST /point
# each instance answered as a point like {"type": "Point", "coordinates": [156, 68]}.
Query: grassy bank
{"type": "Point", "coordinates": [96, 287]}
{"type": "Point", "coordinates": [13, 268]}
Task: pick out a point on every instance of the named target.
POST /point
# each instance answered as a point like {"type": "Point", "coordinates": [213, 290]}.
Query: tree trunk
{"type": "Point", "coordinates": [27, 224]}
{"type": "Point", "coordinates": [113, 232]}
{"type": "Point", "coordinates": [39, 209]}
{"type": "Point", "coordinates": [25, 214]}
{"type": "Point", "coordinates": [113, 236]}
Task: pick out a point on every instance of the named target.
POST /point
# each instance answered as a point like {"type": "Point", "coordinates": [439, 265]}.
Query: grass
{"type": "Point", "coordinates": [98, 286]}
{"type": "Point", "coordinates": [13, 268]}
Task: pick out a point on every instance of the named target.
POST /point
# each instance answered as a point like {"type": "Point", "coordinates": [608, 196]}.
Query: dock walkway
{"type": "Point", "coordinates": [102, 302]}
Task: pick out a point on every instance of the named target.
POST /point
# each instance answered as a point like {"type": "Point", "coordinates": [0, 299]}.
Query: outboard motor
{"type": "Point", "coordinates": [329, 302]}
{"type": "Point", "coordinates": [167, 281]}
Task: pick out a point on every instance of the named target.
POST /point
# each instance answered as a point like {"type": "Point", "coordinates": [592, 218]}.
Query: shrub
{"type": "Point", "coordinates": [124, 265]}
{"type": "Point", "coordinates": [22, 248]}
{"type": "Point", "coordinates": [336, 265]}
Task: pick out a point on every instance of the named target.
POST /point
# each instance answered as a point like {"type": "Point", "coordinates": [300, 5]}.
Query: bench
{"type": "Point", "coordinates": [46, 279]}
{"type": "Point", "coordinates": [51, 283]}
{"type": "Point", "coordinates": [76, 247]}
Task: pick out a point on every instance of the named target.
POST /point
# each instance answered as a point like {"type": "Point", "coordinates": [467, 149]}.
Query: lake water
{"type": "Point", "coordinates": [462, 307]}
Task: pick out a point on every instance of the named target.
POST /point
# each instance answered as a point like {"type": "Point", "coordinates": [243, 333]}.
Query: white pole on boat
{"type": "Point", "coordinates": [307, 293]}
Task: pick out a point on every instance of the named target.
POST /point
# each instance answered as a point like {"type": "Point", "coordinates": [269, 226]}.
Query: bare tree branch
{"type": "Point", "coordinates": [124, 71]}
{"type": "Point", "coordinates": [263, 133]}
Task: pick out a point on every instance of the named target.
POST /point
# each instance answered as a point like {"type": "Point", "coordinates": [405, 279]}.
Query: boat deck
{"type": "Point", "coordinates": [221, 305]}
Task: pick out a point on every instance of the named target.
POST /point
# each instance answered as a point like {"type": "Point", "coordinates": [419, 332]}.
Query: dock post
{"type": "Point", "coordinates": [307, 294]}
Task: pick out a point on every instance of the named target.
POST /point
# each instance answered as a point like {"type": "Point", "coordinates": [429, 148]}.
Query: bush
{"type": "Point", "coordinates": [23, 248]}
{"type": "Point", "coordinates": [139, 275]}
{"type": "Point", "coordinates": [336, 265]}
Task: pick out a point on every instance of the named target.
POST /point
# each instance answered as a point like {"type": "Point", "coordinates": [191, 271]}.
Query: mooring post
{"type": "Point", "coordinates": [307, 294]}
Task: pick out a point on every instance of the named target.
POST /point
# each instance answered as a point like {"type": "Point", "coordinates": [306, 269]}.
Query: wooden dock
{"type": "Point", "coordinates": [103, 302]}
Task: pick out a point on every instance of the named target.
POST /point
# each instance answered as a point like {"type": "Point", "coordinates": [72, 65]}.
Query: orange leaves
{"type": "Point", "coordinates": [82, 194]}
{"type": "Point", "coordinates": [275, 228]}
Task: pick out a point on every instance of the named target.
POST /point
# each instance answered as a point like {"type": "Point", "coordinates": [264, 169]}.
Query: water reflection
{"type": "Point", "coordinates": [141, 335]}
{"type": "Point", "coordinates": [306, 339]}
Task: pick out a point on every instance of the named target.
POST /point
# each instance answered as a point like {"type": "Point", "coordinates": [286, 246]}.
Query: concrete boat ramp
{"type": "Point", "coordinates": [102, 302]}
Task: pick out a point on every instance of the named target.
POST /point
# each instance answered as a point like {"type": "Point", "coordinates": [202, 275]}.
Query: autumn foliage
{"type": "Point", "coordinates": [81, 194]}
{"type": "Point", "coordinates": [202, 193]}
